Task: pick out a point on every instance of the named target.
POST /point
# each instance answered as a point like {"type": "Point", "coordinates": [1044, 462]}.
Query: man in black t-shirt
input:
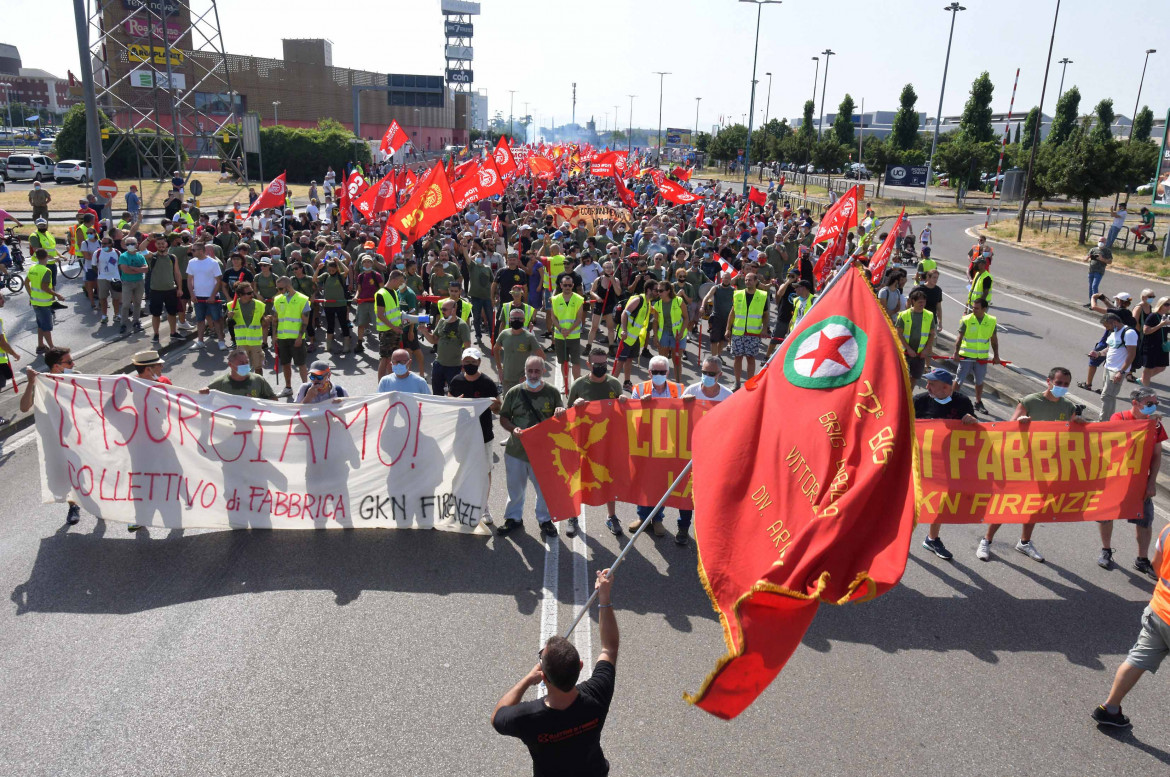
{"type": "Point", "coordinates": [934, 296]}
{"type": "Point", "coordinates": [473, 384]}
{"type": "Point", "coordinates": [563, 730]}
{"type": "Point", "coordinates": [943, 402]}
{"type": "Point", "coordinates": [506, 278]}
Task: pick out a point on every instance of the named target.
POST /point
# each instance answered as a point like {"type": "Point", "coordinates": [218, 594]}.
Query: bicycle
{"type": "Point", "coordinates": [11, 279]}
{"type": "Point", "coordinates": [69, 266]}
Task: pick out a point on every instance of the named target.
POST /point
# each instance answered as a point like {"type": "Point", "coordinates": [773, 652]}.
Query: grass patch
{"type": "Point", "coordinates": [1067, 246]}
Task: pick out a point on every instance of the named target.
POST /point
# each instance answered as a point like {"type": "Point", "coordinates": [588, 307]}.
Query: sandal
{"type": "Point", "coordinates": [1085, 386]}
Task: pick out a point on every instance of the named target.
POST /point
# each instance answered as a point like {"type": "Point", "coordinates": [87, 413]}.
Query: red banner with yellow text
{"type": "Point", "coordinates": [608, 450]}
{"type": "Point", "coordinates": [1036, 471]}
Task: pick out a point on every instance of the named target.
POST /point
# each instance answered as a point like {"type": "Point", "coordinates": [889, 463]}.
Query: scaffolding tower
{"type": "Point", "coordinates": [160, 76]}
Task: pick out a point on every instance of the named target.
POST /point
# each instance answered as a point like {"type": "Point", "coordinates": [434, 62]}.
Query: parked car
{"type": "Point", "coordinates": [38, 167]}
{"type": "Point", "coordinates": [72, 170]}
{"type": "Point", "coordinates": [858, 171]}
{"type": "Point", "coordinates": [45, 146]}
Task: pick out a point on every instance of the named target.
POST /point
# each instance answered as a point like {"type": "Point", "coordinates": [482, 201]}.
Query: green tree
{"type": "Point", "coordinates": [1030, 128]}
{"type": "Point", "coordinates": [843, 122]}
{"type": "Point", "coordinates": [1086, 166]}
{"type": "Point", "coordinates": [828, 154]}
{"type": "Point", "coordinates": [879, 154]}
{"type": "Point", "coordinates": [726, 145]}
{"type": "Point", "coordinates": [1017, 139]}
{"type": "Point", "coordinates": [1103, 128]}
{"type": "Point", "coordinates": [904, 135]}
{"type": "Point", "coordinates": [1064, 121]}
{"type": "Point", "coordinates": [963, 159]}
{"type": "Point", "coordinates": [702, 141]}
{"type": "Point", "coordinates": [1138, 164]}
{"type": "Point", "coordinates": [975, 122]}
{"type": "Point", "coordinates": [1143, 123]}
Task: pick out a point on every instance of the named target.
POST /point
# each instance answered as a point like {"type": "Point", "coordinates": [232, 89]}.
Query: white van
{"type": "Point", "coordinates": [38, 167]}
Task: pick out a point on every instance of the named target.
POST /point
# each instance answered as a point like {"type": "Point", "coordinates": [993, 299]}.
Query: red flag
{"type": "Point", "coordinates": [605, 163]}
{"type": "Point", "coordinates": [681, 173]}
{"type": "Point", "coordinates": [834, 227]}
{"type": "Point", "coordinates": [699, 216]}
{"type": "Point", "coordinates": [496, 225]}
{"type": "Point", "coordinates": [757, 196]}
{"type": "Point", "coordinates": [491, 182]}
{"type": "Point", "coordinates": [466, 168]}
{"type": "Point", "coordinates": [272, 196]}
{"type": "Point", "coordinates": [819, 509]}
{"type": "Point", "coordinates": [451, 168]}
{"type": "Point", "coordinates": [429, 203]}
{"type": "Point", "coordinates": [727, 267]}
{"type": "Point", "coordinates": [409, 180]}
{"type": "Point", "coordinates": [657, 176]}
{"type": "Point", "coordinates": [505, 160]}
{"type": "Point", "coordinates": [391, 243]}
{"type": "Point", "coordinates": [624, 194]}
{"type": "Point", "coordinates": [541, 166]}
{"type": "Point", "coordinates": [881, 257]}
{"type": "Point", "coordinates": [354, 188]}
{"type": "Point", "coordinates": [367, 203]}
{"type": "Point", "coordinates": [393, 139]}
{"type": "Point", "coordinates": [675, 193]}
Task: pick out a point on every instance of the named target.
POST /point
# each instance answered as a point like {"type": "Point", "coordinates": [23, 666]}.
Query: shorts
{"type": "Point", "coordinates": [607, 308]}
{"type": "Point", "coordinates": [255, 357]}
{"type": "Point", "coordinates": [388, 342]}
{"type": "Point", "coordinates": [625, 351]}
{"type": "Point", "coordinates": [667, 343]}
{"type": "Point", "coordinates": [205, 310]}
{"type": "Point", "coordinates": [780, 331]}
{"type": "Point", "coordinates": [365, 314]}
{"type": "Point", "coordinates": [44, 318]}
{"type": "Point", "coordinates": [968, 367]}
{"type": "Point", "coordinates": [90, 274]}
{"type": "Point", "coordinates": [568, 350]}
{"type": "Point", "coordinates": [745, 345]}
{"type": "Point", "coordinates": [167, 298]}
{"type": "Point", "coordinates": [717, 329]}
{"type": "Point", "coordinates": [916, 365]}
{"type": "Point", "coordinates": [410, 339]}
{"type": "Point", "coordinates": [107, 289]}
{"type": "Point", "coordinates": [1147, 519]}
{"type": "Point", "coordinates": [6, 375]}
{"type": "Point", "coordinates": [1153, 643]}
{"type": "Point", "coordinates": [288, 353]}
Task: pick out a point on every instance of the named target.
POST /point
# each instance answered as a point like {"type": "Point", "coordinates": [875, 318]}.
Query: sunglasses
{"type": "Point", "coordinates": [657, 372]}
{"type": "Point", "coordinates": [711, 374]}
{"type": "Point", "coordinates": [317, 378]}
{"type": "Point", "coordinates": [246, 294]}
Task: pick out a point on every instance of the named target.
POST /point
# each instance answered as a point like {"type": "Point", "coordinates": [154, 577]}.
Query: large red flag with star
{"type": "Point", "coordinates": [818, 508]}
{"type": "Point", "coordinates": [429, 203]}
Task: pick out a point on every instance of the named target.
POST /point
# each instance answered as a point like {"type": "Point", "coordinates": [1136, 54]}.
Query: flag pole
{"type": "Point", "coordinates": [658, 508]}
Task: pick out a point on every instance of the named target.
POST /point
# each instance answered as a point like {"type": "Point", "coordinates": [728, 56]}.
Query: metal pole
{"type": "Point", "coordinates": [747, 152]}
{"type": "Point", "coordinates": [861, 132]}
{"type": "Point", "coordinates": [658, 151]}
{"type": "Point", "coordinates": [1133, 117]}
{"type": "Point", "coordinates": [999, 168]}
{"type": "Point", "coordinates": [954, 8]}
{"type": "Point", "coordinates": [824, 87]}
{"type": "Point", "coordinates": [92, 126]}
{"type": "Point", "coordinates": [631, 135]}
{"type": "Point", "coordinates": [697, 99]}
{"type": "Point", "coordinates": [1064, 63]}
{"type": "Point", "coordinates": [511, 106]}
{"type": "Point", "coordinates": [1036, 133]}
{"type": "Point", "coordinates": [768, 103]}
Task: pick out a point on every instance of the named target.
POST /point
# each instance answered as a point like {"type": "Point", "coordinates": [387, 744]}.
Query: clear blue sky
{"type": "Point", "coordinates": [611, 48]}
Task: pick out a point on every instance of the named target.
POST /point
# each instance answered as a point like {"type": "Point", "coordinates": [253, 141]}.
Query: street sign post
{"type": "Point", "coordinates": [106, 189]}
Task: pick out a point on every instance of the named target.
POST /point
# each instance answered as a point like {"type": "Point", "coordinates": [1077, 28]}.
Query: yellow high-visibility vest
{"type": "Point", "coordinates": [288, 315]}
{"type": "Point", "coordinates": [566, 312]}
{"type": "Point", "coordinates": [749, 316]}
{"type": "Point", "coordinates": [976, 336]}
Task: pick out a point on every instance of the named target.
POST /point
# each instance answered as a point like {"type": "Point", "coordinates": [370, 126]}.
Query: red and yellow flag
{"type": "Point", "coordinates": [816, 507]}
{"type": "Point", "coordinates": [429, 203]}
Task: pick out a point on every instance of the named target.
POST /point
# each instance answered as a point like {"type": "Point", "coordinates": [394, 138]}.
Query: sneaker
{"type": "Point", "coordinates": [658, 529]}
{"type": "Point", "coordinates": [74, 515]}
{"type": "Point", "coordinates": [286, 393]}
{"type": "Point", "coordinates": [1106, 718]}
{"type": "Point", "coordinates": [133, 527]}
{"type": "Point", "coordinates": [508, 525]}
{"type": "Point", "coordinates": [222, 345]}
{"type": "Point", "coordinates": [980, 408]}
{"type": "Point", "coordinates": [122, 329]}
{"type": "Point", "coordinates": [1105, 560]}
{"type": "Point", "coordinates": [547, 529]}
{"type": "Point", "coordinates": [614, 526]}
{"type": "Point", "coordinates": [118, 319]}
{"type": "Point", "coordinates": [4, 421]}
{"type": "Point", "coordinates": [1144, 566]}
{"type": "Point", "coordinates": [487, 519]}
{"type": "Point", "coordinates": [155, 341]}
{"type": "Point", "coordinates": [936, 547]}
{"type": "Point", "coordinates": [199, 342]}
{"type": "Point", "coordinates": [634, 525]}
{"type": "Point", "coordinates": [681, 538]}
{"type": "Point", "coordinates": [573, 528]}
{"type": "Point", "coordinates": [983, 553]}
{"type": "Point", "coordinates": [1029, 550]}
{"type": "Point", "coordinates": [105, 320]}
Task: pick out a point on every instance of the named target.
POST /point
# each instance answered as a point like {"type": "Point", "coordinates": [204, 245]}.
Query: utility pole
{"type": "Point", "coordinates": [511, 105]}
{"type": "Point", "coordinates": [1036, 134]}
{"type": "Point", "coordinates": [768, 104]}
{"type": "Point", "coordinates": [573, 120]}
{"type": "Point", "coordinates": [954, 8]}
{"type": "Point", "coordinates": [1064, 63]}
{"type": "Point", "coordinates": [630, 138]}
{"type": "Point", "coordinates": [697, 99]}
{"type": "Point", "coordinates": [658, 152]}
{"type": "Point", "coordinates": [824, 86]}
{"type": "Point", "coordinates": [1133, 117]}
{"type": "Point", "coordinates": [92, 126]}
{"type": "Point", "coordinates": [275, 112]}
{"type": "Point", "coordinates": [527, 122]}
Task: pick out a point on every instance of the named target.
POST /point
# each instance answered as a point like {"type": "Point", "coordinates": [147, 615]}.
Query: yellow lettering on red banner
{"type": "Point", "coordinates": [1015, 456]}
{"type": "Point", "coordinates": [1133, 453]}
{"type": "Point", "coordinates": [638, 446]}
{"type": "Point", "coordinates": [927, 448]}
{"type": "Point", "coordinates": [990, 461]}
{"type": "Point", "coordinates": [1072, 456]}
{"type": "Point", "coordinates": [960, 439]}
{"type": "Point", "coordinates": [1044, 463]}
{"type": "Point", "coordinates": [663, 434]}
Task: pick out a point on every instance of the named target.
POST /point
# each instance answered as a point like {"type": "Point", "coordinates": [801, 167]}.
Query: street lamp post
{"type": "Point", "coordinates": [661, 79]}
{"type": "Point", "coordinates": [768, 104]}
{"type": "Point", "coordinates": [824, 86]}
{"type": "Point", "coordinates": [511, 106]}
{"type": "Point", "coordinates": [8, 106]}
{"type": "Point", "coordinates": [747, 151]}
{"type": "Point", "coordinates": [1036, 131]}
{"type": "Point", "coordinates": [527, 122]}
{"type": "Point", "coordinates": [1138, 99]}
{"type": "Point", "coordinates": [816, 76]}
{"type": "Point", "coordinates": [630, 137]}
{"type": "Point", "coordinates": [276, 112]}
{"type": "Point", "coordinates": [697, 99]}
{"type": "Point", "coordinates": [1064, 63]}
{"type": "Point", "coordinates": [954, 8]}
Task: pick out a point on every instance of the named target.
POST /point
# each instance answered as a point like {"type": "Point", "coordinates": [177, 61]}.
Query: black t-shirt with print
{"type": "Point", "coordinates": [925, 407]}
{"type": "Point", "coordinates": [564, 743]}
{"type": "Point", "coordinates": [481, 387]}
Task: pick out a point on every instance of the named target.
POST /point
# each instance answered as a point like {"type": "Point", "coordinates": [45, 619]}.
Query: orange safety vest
{"type": "Point", "coordinates": [647, 388]}
{"type": "Point", "coordinates": [1160, 601]}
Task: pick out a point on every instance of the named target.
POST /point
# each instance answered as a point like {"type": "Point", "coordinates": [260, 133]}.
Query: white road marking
{"type": "Point", "coordinates": [1026, 300]}
{"type": "Point", "coordinates": [549, 603]}
{"type": "Point", "coordinates": [583, 635]}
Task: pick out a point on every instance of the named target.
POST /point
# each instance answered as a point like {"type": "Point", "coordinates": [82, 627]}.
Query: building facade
{"type": "Point", "coordinates": [32, 86]}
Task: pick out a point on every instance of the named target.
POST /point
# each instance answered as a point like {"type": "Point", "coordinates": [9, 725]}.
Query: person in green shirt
{"type": "Point", "coordinates": [450, 337]}
{"type": "Point", "coordinates": [598, 385]}
{"type": "Point", "coordinates": [512, 348]}
{"type": "Point", "coordinates": [525, 406]}
{"type": "Point", "coordinates": [479, 288]}
{"type": "Point", "coordinates": [165, 282]}
{"type": "Point", "coordinates": [335, 291]}
{"type": "Point", "coordinates": [240, 380]}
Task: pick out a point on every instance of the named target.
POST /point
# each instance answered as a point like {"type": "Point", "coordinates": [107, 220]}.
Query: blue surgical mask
{"type": "Point", "coordinates": [659, 380]}
{"type": "Point", "coordinates": [68, 370]}
{"type": "Point", "coordinates": [943, 400]}
{"type": "Point", "coordinates": [1149, 409]}
{"type": "Point", "coordinates": [1059, 391]}
{"type": "Point", "coordinates": [400, 265]}
{"type": "Point", "coordinates": [400, 369]}
{"type": "Point", "coordinates": [709, 381]}
{"type": "Point", "coordinates": [243, 370]}
{"type": "Point", "coordinates": [533, 384]}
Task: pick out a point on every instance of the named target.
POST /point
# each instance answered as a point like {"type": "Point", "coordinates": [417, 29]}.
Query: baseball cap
{"type": "Point", "coordinates": [472, 353]}
{"type": "Point", "coordinates": [368, 244]}
{"type": "Point", "coordinates": [321, 368]}
{"type": "Point", "coordinates": [41, 221]}
{"type": "Point", "coordinates": [940, 374]}
{"type": "Point", "coordinates": [1123, 295]}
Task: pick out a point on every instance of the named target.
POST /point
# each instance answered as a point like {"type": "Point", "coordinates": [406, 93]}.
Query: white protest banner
{"type": "Point", "coordinates": [139, 452]}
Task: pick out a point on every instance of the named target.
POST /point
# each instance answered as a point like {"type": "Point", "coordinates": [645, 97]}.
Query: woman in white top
{"type": "Point", "coordinates": [109, 279]}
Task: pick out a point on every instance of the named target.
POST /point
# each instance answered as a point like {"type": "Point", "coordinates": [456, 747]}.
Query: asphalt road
{"type": "Point", "coordinates": [354, 652]}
